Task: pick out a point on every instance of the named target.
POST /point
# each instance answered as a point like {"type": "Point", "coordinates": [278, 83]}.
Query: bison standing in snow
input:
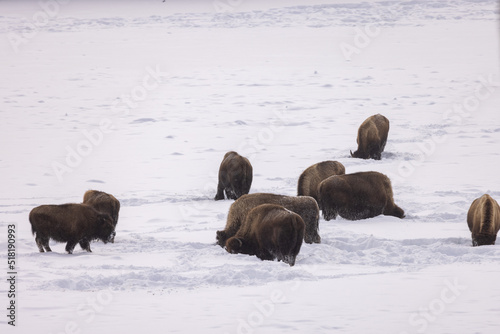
{"type": "Point", "coordinates": [358, 196]}
{"type": "Point", "coordinates": [270, 232]}
{"type": "Point", "coordinates": [306, 207]}
{"type": "Point", "coordinates": [70, 223]}
{"type": "Point", "coordinates": [372, 137]}
{"type": "Point", "coordinates": [310, 179]}
{"type": "Point", "coordinates": [235, 176]}
{"type": "Point", "coordinates": [483, 219]}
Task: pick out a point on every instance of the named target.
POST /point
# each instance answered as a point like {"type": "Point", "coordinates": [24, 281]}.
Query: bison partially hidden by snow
{"type": "Point", "coordinates": [305, 206]}
{"type": "Point", "coordinates": [310, 179]}
{"type": "Point", "coordinates": [483, 219]}
{"type": "Point", "coordinates": [70, 223]}
{"type": "Point", "coordinates": [358, 196]}
{"type": "Point", "coordinates": [103, 202]}
{"type": "Point", "coordinates": [372, 137]}
{"type": "Point", "coordinates": [235, 176]}
{"type": "Point", "coordinates": [270, 232]}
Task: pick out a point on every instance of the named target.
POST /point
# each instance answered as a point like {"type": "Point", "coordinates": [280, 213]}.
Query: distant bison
{"type": "Point", "coordinates": [310, 179]}
{"type": "Point", "coordinates": [483, 219]}
{"type": "Point", "coordinates": [372, 137]}
{"type": "Point", "coordinates": [270, 232]}
{"type": "Point", "coordinates": [103, 202]}
{"type": "Point", "coordinates": [305, 206]}
{"type": "Point", "coordinates": [358, 196]}
{"type": "Point", "coordinates": [70, 223]}
{"type": "Point", "coordinates": [235, 176]}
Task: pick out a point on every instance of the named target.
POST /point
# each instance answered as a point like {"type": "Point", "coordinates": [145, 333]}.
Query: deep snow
{"type": "Point", "coordinates": [142, 100]}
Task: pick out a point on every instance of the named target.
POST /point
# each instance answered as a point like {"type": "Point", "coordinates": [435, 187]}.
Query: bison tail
{"type": "Point", "coordinates": [33, 231]}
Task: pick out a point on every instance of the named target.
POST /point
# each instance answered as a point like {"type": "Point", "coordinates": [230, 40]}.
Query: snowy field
{"type": "Point", "coordinates": [142, 99]}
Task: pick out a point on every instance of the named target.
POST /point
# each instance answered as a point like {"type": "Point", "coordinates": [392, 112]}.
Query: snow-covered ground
{"type": "Point", "coordinates": [142, 99]}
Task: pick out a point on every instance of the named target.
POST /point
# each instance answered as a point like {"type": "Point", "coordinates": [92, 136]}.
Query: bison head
{"type": "Point", "coordinates": [359, 154]}
{"type": "Point", "coordinates": [483, 239]}
{"type": "Point", "coordinates": [106, 228]}
{"type": "Point", "coordinates": [234, 245]}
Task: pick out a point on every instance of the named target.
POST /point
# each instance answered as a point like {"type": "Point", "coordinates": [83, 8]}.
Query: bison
{"type": "Point", "coordinates": [235, 176]}
{"type": "Point", "coordinates": [103, 202]}
{"type": "Point", "coordinates": [372, 137]}
{"type": "Point", "coordinates": [483, 219]}
{"type": "Point", "coordinates": [358, 196]}
{"type": "Point", "coordinates": [305, 206]}
{"type": "Point", "coordinates": [270, 232]}
{"type": "Point", "coordinates": [310, 179]}
{"type": "Point", "coordinates": [70, 223]}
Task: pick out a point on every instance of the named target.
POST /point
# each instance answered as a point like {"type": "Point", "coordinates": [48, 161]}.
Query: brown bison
{"type": "Point", "coordinates": [270, 232]}
{"type": "Point", "coordinates": [103, 202]}
{"type": "Point", "coordinates": [483, 219]}
{"type": "Point", "coordinates": [358, 196]}
{"type": "Point", "coordinates": [372, 137]}
{"type": "Point", "coordinates": [305, 206]}
{"type": "Point", "coordinates": [310, 179]}
{"type": "Point", "coordinates": [70, 223]}
{"type": "Point", "coordinates": [235, 176]}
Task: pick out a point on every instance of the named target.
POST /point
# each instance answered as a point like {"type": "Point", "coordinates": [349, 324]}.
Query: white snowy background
{"type": "Point", "coordinates": [142, 99]}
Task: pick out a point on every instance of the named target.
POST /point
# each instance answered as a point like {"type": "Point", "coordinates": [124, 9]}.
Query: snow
{"type": "Point", "coordinates": [142, 100]}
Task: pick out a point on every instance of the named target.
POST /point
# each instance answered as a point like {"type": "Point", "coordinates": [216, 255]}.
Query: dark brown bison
{"type": "Point", "coordinates": [372, 137]}
{"type": "Point", "coordinates": [270, 232]}
{"type": "Point", "coordinates": [358, 196]}
{"type": "Point", "coordinates": [235, 176]}
{"type": "Point", "coordinates": [310, 179]}
{"type": "Point", "coordinates": [70, 223]}
{"type": "Point", "coordinates": [305, 206]}
{"type": "Point", "coordinates": [483, 219]}
{"type": "Point", "coordinates": [103, 202]}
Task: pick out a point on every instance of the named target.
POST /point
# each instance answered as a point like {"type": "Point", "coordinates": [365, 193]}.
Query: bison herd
{"type": "Point", "coordinates": [266, 225]}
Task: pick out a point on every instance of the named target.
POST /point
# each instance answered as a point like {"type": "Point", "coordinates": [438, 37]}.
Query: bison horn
{"type": "Point", "coordinates": [241, 242]}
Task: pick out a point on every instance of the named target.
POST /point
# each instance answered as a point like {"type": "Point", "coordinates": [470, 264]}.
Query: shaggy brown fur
{"type": "Point", "coordinates": [483, 219]}
{"type": "Point", "coordinates": [304, 206]}
{"type": "Point", "coordinates": [372, 137]}
{"type": "Point", "coordinates": [358, 196]}
{"type": "Point", "coordinates": [310, 179]}
{"type": "Point", "coordinates": [235, 176]}
{"type": "Point", "coordinates": [70, 223]}
{"type": "Point", "coordinates": [270, 232]}
{"type": "Point", "coordinates": [103, 202]}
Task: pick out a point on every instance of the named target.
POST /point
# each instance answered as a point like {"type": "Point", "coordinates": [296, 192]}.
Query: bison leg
{"type": "Point", "coordinates": [85, 244]}
{"type": "Point", "coordinates": [220, 192]}
{"type": "Point", "coordinates": [43, 242]}
{"type": "Point", "coordinates": [221, 238]}
{"type": "Point", "coordinates": [39, 243]}
{"type": "Point", "coordinates": [70, 246]}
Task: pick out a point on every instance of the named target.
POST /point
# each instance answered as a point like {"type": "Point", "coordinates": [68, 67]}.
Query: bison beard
{"type": "Point", "coordinates": [372, 137]}
{"type": "Point", "coordinates": [483, 219]}
{"type": "Point", "coordinates": [269, 232]}
{"type": "Point", "coordinates": [306, 207]}
{"type": "Point", "coordinates": [235, 176]}
{"type": "Point", "coordinates": [70, 223]}
{"type": "Point", "coordinates": [358, 196]}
